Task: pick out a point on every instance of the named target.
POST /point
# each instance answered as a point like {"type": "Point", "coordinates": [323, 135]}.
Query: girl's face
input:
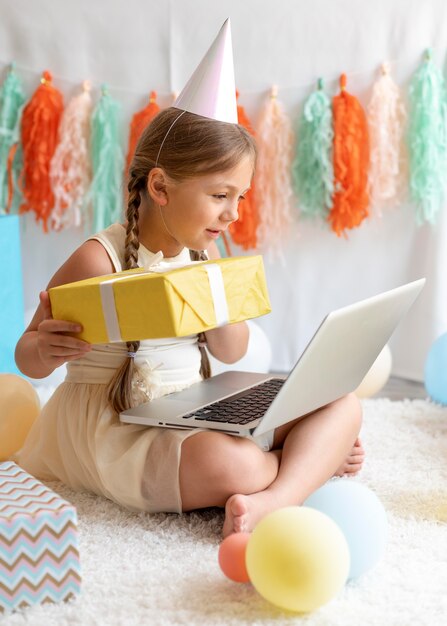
{"type": "Point", "coordinates": [198, 210]}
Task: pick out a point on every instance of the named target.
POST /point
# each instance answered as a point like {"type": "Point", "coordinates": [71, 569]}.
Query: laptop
{"type": "Point", "coordinates": [334, 363]}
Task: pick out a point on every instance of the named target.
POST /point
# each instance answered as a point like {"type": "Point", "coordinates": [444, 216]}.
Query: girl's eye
{"type": "Point", "coordinates": [222, 196]}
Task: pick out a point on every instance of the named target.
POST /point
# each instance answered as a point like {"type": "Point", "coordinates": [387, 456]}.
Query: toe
{"type": "Point", "coordinates": [238, 505]}
{"type": "Point", "coordinates": [356, 458]}
{"type": "Point", "coordinates": [358, 445]}
{"type": "Point", "coordinates": [353, 468]}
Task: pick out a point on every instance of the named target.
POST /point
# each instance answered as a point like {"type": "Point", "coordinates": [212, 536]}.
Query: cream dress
{"type": "Point", "coordinates": [79, 439]}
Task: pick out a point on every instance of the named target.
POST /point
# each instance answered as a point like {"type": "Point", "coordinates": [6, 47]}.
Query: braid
{"type": "Point", "coordinates": [132, 242]}
{"type": "Point", "coordinates": [120, 388]}
{"type": "Point", "coordinates": [205, 366]}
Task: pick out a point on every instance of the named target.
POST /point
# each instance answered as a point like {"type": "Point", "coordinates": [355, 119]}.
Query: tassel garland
{"type": "Point", "coordinates": [40, 123]}
{"type": "Point", "coordinates": [70, 168]}
{"type": "Point", "coordinates": [312, 168]}
{"type": "Point", "coordinates": [351, 160]}
{"type": "Point", "coordinates": [105, 191]}
{"type": "Point", "coordinates": [427, 140]}
{"type": "Point", "coordinates": [273, 186]}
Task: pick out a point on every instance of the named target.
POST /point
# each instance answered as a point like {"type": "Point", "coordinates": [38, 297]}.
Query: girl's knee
{"type": "Point", "coordinates": [241, 466]}
{"type": "Point", "coordinates": [231, 464]}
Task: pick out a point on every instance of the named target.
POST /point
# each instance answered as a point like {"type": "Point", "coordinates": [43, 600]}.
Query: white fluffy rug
{"type": "Point", "coordinates": [162, 569]}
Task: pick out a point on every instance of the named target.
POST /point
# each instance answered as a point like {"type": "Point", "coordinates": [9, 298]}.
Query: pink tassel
{"type": "Point", "coordinates": [386, 119]}
{"type": "Point", "coordinates": [70, 169]}
{"type": "Point", "coordinates": [272, 180]}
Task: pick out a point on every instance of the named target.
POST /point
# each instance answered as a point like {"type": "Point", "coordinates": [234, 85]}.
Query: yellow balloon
{"type": "Point", "coordinates": [377, 376]}
{"type": "Point", "coordinates": [19, 407]}
{"type": "Point", "coordinates": [297, 558]}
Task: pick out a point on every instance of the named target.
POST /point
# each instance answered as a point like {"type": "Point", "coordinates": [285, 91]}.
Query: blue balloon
{"type": "Point", "coordinates": [360, 515]}
{"type": "Point", "coordinates": [436, 371]}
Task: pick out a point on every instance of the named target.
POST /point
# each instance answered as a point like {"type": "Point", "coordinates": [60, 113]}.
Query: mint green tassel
{"type": "Point", "coordinates": [106, 194]}
{"type": "Point", "coordinates": [17, 167]}
{"type": "Point", "coordinates": [312, 168]}
{"type": "Point", "coordinates": [427, 140]}
{"type": "Point", "coordinates": [11, 106]}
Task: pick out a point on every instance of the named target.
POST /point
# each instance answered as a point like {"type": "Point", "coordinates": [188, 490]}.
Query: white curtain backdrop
{"type": "Point", "coordinates": [135, 46]}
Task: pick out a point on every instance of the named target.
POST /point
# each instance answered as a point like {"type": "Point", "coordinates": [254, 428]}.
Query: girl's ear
{"type": "Point", "coordinates": [157, 186]}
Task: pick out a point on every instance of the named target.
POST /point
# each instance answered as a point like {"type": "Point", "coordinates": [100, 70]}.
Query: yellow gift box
{"type": "Point", "coordinates": [162, 302]}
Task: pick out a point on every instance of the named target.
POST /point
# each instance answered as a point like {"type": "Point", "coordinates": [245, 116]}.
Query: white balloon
{"type": "Point", "coordinates": [377, 376]}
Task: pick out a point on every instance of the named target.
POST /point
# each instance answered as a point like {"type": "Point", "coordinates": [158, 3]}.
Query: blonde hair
{"type": "Point", "coordinates": [194, 146]}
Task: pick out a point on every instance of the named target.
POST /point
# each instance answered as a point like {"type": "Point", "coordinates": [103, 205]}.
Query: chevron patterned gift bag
{"type": "Point", "coordinates": [39, 557]}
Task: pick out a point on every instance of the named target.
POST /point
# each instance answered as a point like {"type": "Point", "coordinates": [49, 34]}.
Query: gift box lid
{"type": "Point", "coordinates": [23, 495]}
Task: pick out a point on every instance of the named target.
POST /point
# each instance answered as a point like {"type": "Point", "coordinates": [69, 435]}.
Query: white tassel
{"type": "Point", "coordinates": [272, 181]}
{"type": "Point", "coordinates": [386, 119]}
{"type": "Point", "coordinates": [70, 170]}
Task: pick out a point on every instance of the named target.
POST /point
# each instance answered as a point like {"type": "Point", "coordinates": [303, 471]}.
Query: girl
{"type": "Point", "coordinates": [184, 189]}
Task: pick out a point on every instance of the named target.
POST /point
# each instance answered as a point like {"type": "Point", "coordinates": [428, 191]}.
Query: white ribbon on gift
{"type": "Point", "coordinates": [218, 295]}
{"type": "Point", "coordinates": [215, 278]}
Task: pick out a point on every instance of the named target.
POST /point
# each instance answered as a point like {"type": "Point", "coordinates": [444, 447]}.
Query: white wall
{"type": "Point", "coordinates": [136, 46]}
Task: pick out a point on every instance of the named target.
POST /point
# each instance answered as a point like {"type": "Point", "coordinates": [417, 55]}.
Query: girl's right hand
{"type": "Point", "coordinates": [54, 346]}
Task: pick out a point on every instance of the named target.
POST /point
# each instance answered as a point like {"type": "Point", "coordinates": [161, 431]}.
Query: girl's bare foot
{"type": "Point", "coordinates": [242, 513]}
{"type": "Point", "coordinates": [353, 463]}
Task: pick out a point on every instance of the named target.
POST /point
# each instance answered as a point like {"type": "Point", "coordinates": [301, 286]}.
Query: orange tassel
{"type": "Point", "coordinates": [40, 123]}
{"type": "Point", "coordinates": [351, 162]}
{"type": "Point", "coordinates": [243, 231]}
{"type": "Point", "coordinates": [139, 122]}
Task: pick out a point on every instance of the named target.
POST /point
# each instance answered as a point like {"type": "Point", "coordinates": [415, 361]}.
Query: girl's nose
{"type": "Point", "coordinates": [231, 213]}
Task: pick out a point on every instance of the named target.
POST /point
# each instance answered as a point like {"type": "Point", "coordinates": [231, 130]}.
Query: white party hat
{"type": "Point", "coordinates": [211, 90]}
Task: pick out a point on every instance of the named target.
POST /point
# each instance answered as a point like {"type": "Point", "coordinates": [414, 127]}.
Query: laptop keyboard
{"type": "Point", "coordinates": [242, 408]}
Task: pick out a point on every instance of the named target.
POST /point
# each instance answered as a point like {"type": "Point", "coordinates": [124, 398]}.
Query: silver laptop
{"type": "Point", "coordinates": [333, 364]}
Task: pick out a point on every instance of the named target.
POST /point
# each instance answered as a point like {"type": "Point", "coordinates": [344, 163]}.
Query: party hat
{"type": "Point", "coordinates": [211, 90]}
